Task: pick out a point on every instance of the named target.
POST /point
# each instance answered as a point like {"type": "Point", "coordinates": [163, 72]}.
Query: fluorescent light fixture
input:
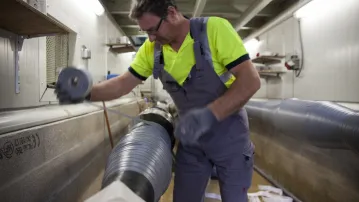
{"type": "Point", "coordinates": [95, 6]}
{"type": "Point", "coordinates": [312, 8]}
{"type": "Point", "coordinates": [252, 44]}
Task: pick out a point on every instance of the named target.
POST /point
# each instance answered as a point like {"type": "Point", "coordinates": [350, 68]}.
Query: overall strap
{"type": "Point", "coordinates": [199, 32]}
{"type": "Point", "coordinates": [201, 47]}
{"type": "Point", "coordinates": [158, 61]}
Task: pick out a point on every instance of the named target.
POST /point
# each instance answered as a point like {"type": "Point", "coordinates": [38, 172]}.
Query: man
{"type": "Point", "coordinates": [213, 127]}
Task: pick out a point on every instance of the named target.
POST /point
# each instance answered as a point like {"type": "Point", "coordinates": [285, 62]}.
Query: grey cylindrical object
{"type": "Point", "coordinates": [77, 83]}
{"type": "Point", "coordinates": [143, 155]}
{"type": "Point", "coordinates": [324, 124]}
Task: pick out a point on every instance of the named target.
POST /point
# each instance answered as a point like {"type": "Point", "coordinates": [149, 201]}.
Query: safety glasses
{"type": "Point", "coordinates": [154, 30]}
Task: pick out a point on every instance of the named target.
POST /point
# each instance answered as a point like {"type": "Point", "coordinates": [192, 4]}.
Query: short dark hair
{"type": "Point", "coordinates": [156, 7]}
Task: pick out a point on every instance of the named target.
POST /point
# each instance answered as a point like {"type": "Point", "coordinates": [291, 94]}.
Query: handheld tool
{"type": "Point", "coordinates": [77, 84]}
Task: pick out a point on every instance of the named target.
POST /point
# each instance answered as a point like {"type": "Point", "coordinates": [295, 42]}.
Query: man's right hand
{"type": "Point", "coordinates": [73, 87]}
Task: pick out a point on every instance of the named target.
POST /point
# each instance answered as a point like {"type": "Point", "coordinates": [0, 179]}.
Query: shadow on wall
{"type": "Point", "coordinates": [304, 162]}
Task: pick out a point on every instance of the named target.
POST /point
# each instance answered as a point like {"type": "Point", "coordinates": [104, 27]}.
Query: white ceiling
{"type": "Point", "coordinates": [246, 16]}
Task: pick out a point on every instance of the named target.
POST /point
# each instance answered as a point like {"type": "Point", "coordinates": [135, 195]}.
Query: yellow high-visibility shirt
{"type": "Point", "coordinates": [226, 47]}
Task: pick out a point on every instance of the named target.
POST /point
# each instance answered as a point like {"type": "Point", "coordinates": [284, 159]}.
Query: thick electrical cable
{"type": "Point", "coordinates": [143, 158]}
{"type": "Point", "coordinates": [143, 161]}
{"type": "Point", "coordinates": [323, 124]}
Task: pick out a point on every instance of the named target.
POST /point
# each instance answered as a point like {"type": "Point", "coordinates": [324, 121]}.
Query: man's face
{"type": "Point", "coordinates": [158, 29]}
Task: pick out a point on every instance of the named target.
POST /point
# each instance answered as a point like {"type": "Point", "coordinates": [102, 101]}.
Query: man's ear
{"type": "Point", "coordinates": [171, 14]}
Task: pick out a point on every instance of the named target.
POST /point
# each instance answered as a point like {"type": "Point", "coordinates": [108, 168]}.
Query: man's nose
{"type": "Point", "coordinates": [152, 37]}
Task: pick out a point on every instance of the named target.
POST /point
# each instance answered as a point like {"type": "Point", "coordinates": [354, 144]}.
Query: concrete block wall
{"type": "Point", "coordinates": [61, 160]}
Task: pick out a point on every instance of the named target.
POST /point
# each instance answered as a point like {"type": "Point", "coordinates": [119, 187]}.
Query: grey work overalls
{"type": "Point", "coordinates": [226, 146]}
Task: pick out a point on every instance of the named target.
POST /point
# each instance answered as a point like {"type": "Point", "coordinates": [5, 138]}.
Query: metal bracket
{"type": "Point", "coordinates": [16, 44]}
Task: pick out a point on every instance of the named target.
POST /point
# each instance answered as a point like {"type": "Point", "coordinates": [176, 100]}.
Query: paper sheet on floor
{"type": "Point", "coordinates": [116, 191]}
{"type": "Point", "coordinates": [266, 194]}
{"type": "Point", "coordinates": [213, 196]}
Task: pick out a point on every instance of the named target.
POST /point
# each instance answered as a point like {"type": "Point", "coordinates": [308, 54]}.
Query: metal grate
{"type": "Point", "coordinates": [57, 48]}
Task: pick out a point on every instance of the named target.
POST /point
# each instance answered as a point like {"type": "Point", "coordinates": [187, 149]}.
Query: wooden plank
{"type": "Point", "coordinates": [20, 18]}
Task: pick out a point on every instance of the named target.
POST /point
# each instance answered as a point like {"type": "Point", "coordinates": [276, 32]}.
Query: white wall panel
{"type": "Point", "coordinates": [29, 75]}
{"type": "Point", "coordinates": [274, 88]}
{"type": "Point", "coordinates": [123, 61]}
{"type": "Point", "coordinates": [262, 92]}
{"type": "Point", "coordinates": [112, 62]}
{"type": "Point", "coordinates": [331, 45]}
{"type": "Point", "coordinates": [119, 63]}
{"type": "Point", "coordinates": [278, 40]}
{"type": "Point", "coordinates": [331, 53]}
{"type": "Point", "coordinates": [275, 40]}
{"type": "Point", "coordinates": [90, 31]}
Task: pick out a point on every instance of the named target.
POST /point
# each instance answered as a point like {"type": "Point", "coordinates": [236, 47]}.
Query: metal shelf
{"type": "Point", "coordinates": [20, 18]}
{"type": "Point", "coordinates": [268, 59]}
{"type": "Point", "coordinates": [270, 73]}
{"type": "Point", "coordinates": [121, 48]}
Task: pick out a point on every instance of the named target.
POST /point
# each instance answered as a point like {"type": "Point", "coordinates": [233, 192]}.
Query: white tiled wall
{"type": "Point", "coordinates": [331, 54]}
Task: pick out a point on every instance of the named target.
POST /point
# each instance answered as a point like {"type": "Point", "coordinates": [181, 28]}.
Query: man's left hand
{"type": "Point", "coordinates": [194, 124]}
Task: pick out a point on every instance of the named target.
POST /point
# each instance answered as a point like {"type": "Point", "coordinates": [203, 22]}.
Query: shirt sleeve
{"type": "Point", "coordinates": [228, 44]}
{"type": "Point", "coordinates": [142, 66]}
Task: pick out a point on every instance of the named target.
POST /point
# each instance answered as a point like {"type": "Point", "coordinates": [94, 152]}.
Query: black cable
{"type": "Point", "coordinates": [297, 72]}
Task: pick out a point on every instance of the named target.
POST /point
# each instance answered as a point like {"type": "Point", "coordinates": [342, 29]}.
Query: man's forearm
{"type": "Point", "coordinates": [243, 88]}
{"type": "Point", "coordinates": [106, 90]}
{"type": "Point", "coordinates": [114, 88]}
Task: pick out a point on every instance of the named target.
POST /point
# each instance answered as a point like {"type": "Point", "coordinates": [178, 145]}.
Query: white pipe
{"type": "Point", "coordinates": [198, 9]}
{"type": "Point", "coordinates": [280, 18]}
{"type": "Point", "coordinates": [250, 12]}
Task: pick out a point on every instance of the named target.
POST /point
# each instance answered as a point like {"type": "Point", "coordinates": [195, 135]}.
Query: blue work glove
{"type": "Point", "coordinates": [194, 124]}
